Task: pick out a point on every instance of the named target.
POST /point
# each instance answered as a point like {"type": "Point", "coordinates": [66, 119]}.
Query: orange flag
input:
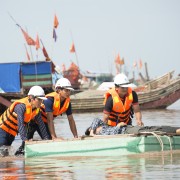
{"type": "Point", "coordinates": [140, 64]}
{"type": "Point", "coordinates": [37, 42]}
{"type": "Point", "coordinates": [45, 54]}
{"type": "Point", "coordinates": [28, 39]}
{"type": "Point", "coordinates": [118, 59]}
{"type": "Point", "coordinates": [72, 48]}
{"type": "Point", "coordinates": [122, 61]}
{"type": "Point", "coordinates": [56, 22]}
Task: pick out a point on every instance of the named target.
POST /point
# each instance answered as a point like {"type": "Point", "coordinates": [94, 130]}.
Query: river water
{"type": "Point", "coordinates": [162, 165]}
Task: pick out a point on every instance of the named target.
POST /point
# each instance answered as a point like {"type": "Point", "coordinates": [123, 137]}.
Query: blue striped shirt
{"type": "Point", "coordinates": [20, 109]}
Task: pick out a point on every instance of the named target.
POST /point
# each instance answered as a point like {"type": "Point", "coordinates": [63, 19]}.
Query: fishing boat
{"type": "Point", "coordinates": [109, 145]}
{"type": "Point", "coordinates": [156, 94]}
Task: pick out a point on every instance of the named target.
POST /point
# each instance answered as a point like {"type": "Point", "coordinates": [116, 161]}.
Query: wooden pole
{"type": "Point", "coordinates": [146, 71]}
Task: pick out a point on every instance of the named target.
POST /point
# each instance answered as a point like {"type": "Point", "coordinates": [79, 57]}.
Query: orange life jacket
{"type": "Point", "coordinates": [57, 110]}
{"type": "Point", "coordinates": [120, 112]}
{"type": "Point", "coordinates": [8, 120]}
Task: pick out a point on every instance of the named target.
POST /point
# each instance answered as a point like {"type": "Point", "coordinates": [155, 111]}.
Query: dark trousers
{"type": "Point", "coordinates": [6, 138]}
{"type": "Point", "coordinates": [139, 129]}
{"type": "Point", "coordinates": [33, 127]}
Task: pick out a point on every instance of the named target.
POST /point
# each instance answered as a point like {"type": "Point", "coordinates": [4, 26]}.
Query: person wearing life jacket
{"type": "Point", "coordinates": [121, 102]}
{"type": "Point", "coordinates": [57, 103]}
{"type": "Point", "coordinates": [16, 118]}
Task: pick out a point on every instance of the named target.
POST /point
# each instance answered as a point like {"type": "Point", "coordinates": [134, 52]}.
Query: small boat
{"type": "Point", "coordinates": [156, 94]}
{"type": "Point", "coordinates": [109, 145]}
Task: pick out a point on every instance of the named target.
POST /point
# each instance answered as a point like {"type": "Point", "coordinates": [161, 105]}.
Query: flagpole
{"type": "Point", "coordinates": [27, 52]}
{"type": "Point", "coordinates": [53, 42]}
{"type": "Point", "coordinates": [75, 52]}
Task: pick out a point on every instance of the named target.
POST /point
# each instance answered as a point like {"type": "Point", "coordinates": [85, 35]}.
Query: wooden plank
{"type": "Point", "coordinates": [5, 102]}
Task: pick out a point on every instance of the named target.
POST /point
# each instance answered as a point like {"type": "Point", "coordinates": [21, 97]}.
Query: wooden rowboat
{"type": "Point", "coordinates": [115, 145]}
{"type": "Point", "coordinates": [157, 94]}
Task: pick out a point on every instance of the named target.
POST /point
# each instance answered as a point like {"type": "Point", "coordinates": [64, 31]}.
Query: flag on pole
{"type": "Point", "coordinates": [45, 53]}
{"type": "Point", "coordinates": [118, 59]}
{"type": "Point", "coordinates": [28, 39]}
{"type": "Point", "coordinates": [72, 48]}
{"type": "Point", "coordinates": [56, 22]}
{"type": "Point", "coordinates": [140, 64]}
{"type": "Point", "coordinates": [122, 61]}
{"type": "Point", "coordinates": [54, 35]}
{"type": "Point", "coordinates": [37, 42]}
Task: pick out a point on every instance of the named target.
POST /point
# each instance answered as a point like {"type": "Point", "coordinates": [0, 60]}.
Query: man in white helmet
{"type": "Point", "coordinates": [56, 104]}
{"type": "Point", "coordinates": [121, 102]}
{"type": "Point", "coordinates": [15, 119]}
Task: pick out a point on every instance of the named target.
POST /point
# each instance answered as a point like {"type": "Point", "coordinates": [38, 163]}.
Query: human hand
{"type": "Point", "coordinates": [121, 124]}
{"type": "Point", "coordinates": [140, 123]}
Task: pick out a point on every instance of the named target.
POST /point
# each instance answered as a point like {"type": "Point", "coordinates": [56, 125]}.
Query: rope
{"type": "Point", "coordinates": [159, 139]}
{"type": "Point", "coordinates": [170, 144]}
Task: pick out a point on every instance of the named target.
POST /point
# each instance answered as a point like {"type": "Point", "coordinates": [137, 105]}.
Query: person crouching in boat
{"type": "Point", "coordinates": [121, 102]}
{"type": "Point", "coordinates": [98, 127]}
{"type": "Point", "coordinates": [56, 104]}
{"type": "Point", "coordinates": [16, 118]}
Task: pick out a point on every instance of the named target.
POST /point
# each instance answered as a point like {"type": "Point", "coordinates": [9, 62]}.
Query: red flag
{"type": "Point", "coordinates": [118, 59]}
{"type": "Point", "coordinates": [29, 40]}
{"type": "Point", "coordinates": [56, 22]}
{"type": "Point", "coordinates": [54, 35]}
{"type": "Point", "coordinates": [72, 48]}
{"type": "Point", "coordinates": [140, 64]}
{"type": "Point", "coordinates": [37, 42]}
{"type": "Point", "coordinates": [46, 54]}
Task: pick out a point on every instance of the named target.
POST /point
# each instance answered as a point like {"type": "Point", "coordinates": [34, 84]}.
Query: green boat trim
{"type": "Point", "coordinates": [115, 145]}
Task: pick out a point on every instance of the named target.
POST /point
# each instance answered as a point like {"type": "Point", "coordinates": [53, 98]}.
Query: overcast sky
{"type": "Point", "coordinates": [136, 29]}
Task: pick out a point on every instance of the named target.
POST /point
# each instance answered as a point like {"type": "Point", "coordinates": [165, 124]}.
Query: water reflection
{"type": "Point", "coordinates": [146, 166]}
{"type": "Point", "coordinates": [12, 168]}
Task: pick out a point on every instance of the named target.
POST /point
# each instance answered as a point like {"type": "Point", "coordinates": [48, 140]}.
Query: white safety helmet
{"type": "Point", "coordinates": [122, 81]}
{"type": "Point", "coordinates": [38, 92]}
{"type": "Point", "coordinates": [64, 83]}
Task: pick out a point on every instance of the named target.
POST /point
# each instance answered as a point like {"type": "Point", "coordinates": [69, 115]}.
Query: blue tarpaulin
{"type": "Point", "coordinates": [10, 77]}
{"type": "Point", "coordinates": [36, 68]}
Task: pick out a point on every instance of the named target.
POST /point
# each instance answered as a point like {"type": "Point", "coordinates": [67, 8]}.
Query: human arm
{"type": "Point", "coordinates": [107, 109]}
{"type": "Point", "coordinates": [49, 111]}
{"type": "Point", "coordinates": [105, 117]}
{"type": "Point", "coordinates": [72, 125]}
{"type": "Point", "coordinates": [20, 110]}
{"type": "Point", "coordinates": [138, 115]}
{"type": "Point", "coordinates": [51, 125]}
{"type": "Point", "coordinates": [136, 109]}
{"type": "Point", "coordinates": [121, 124]}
